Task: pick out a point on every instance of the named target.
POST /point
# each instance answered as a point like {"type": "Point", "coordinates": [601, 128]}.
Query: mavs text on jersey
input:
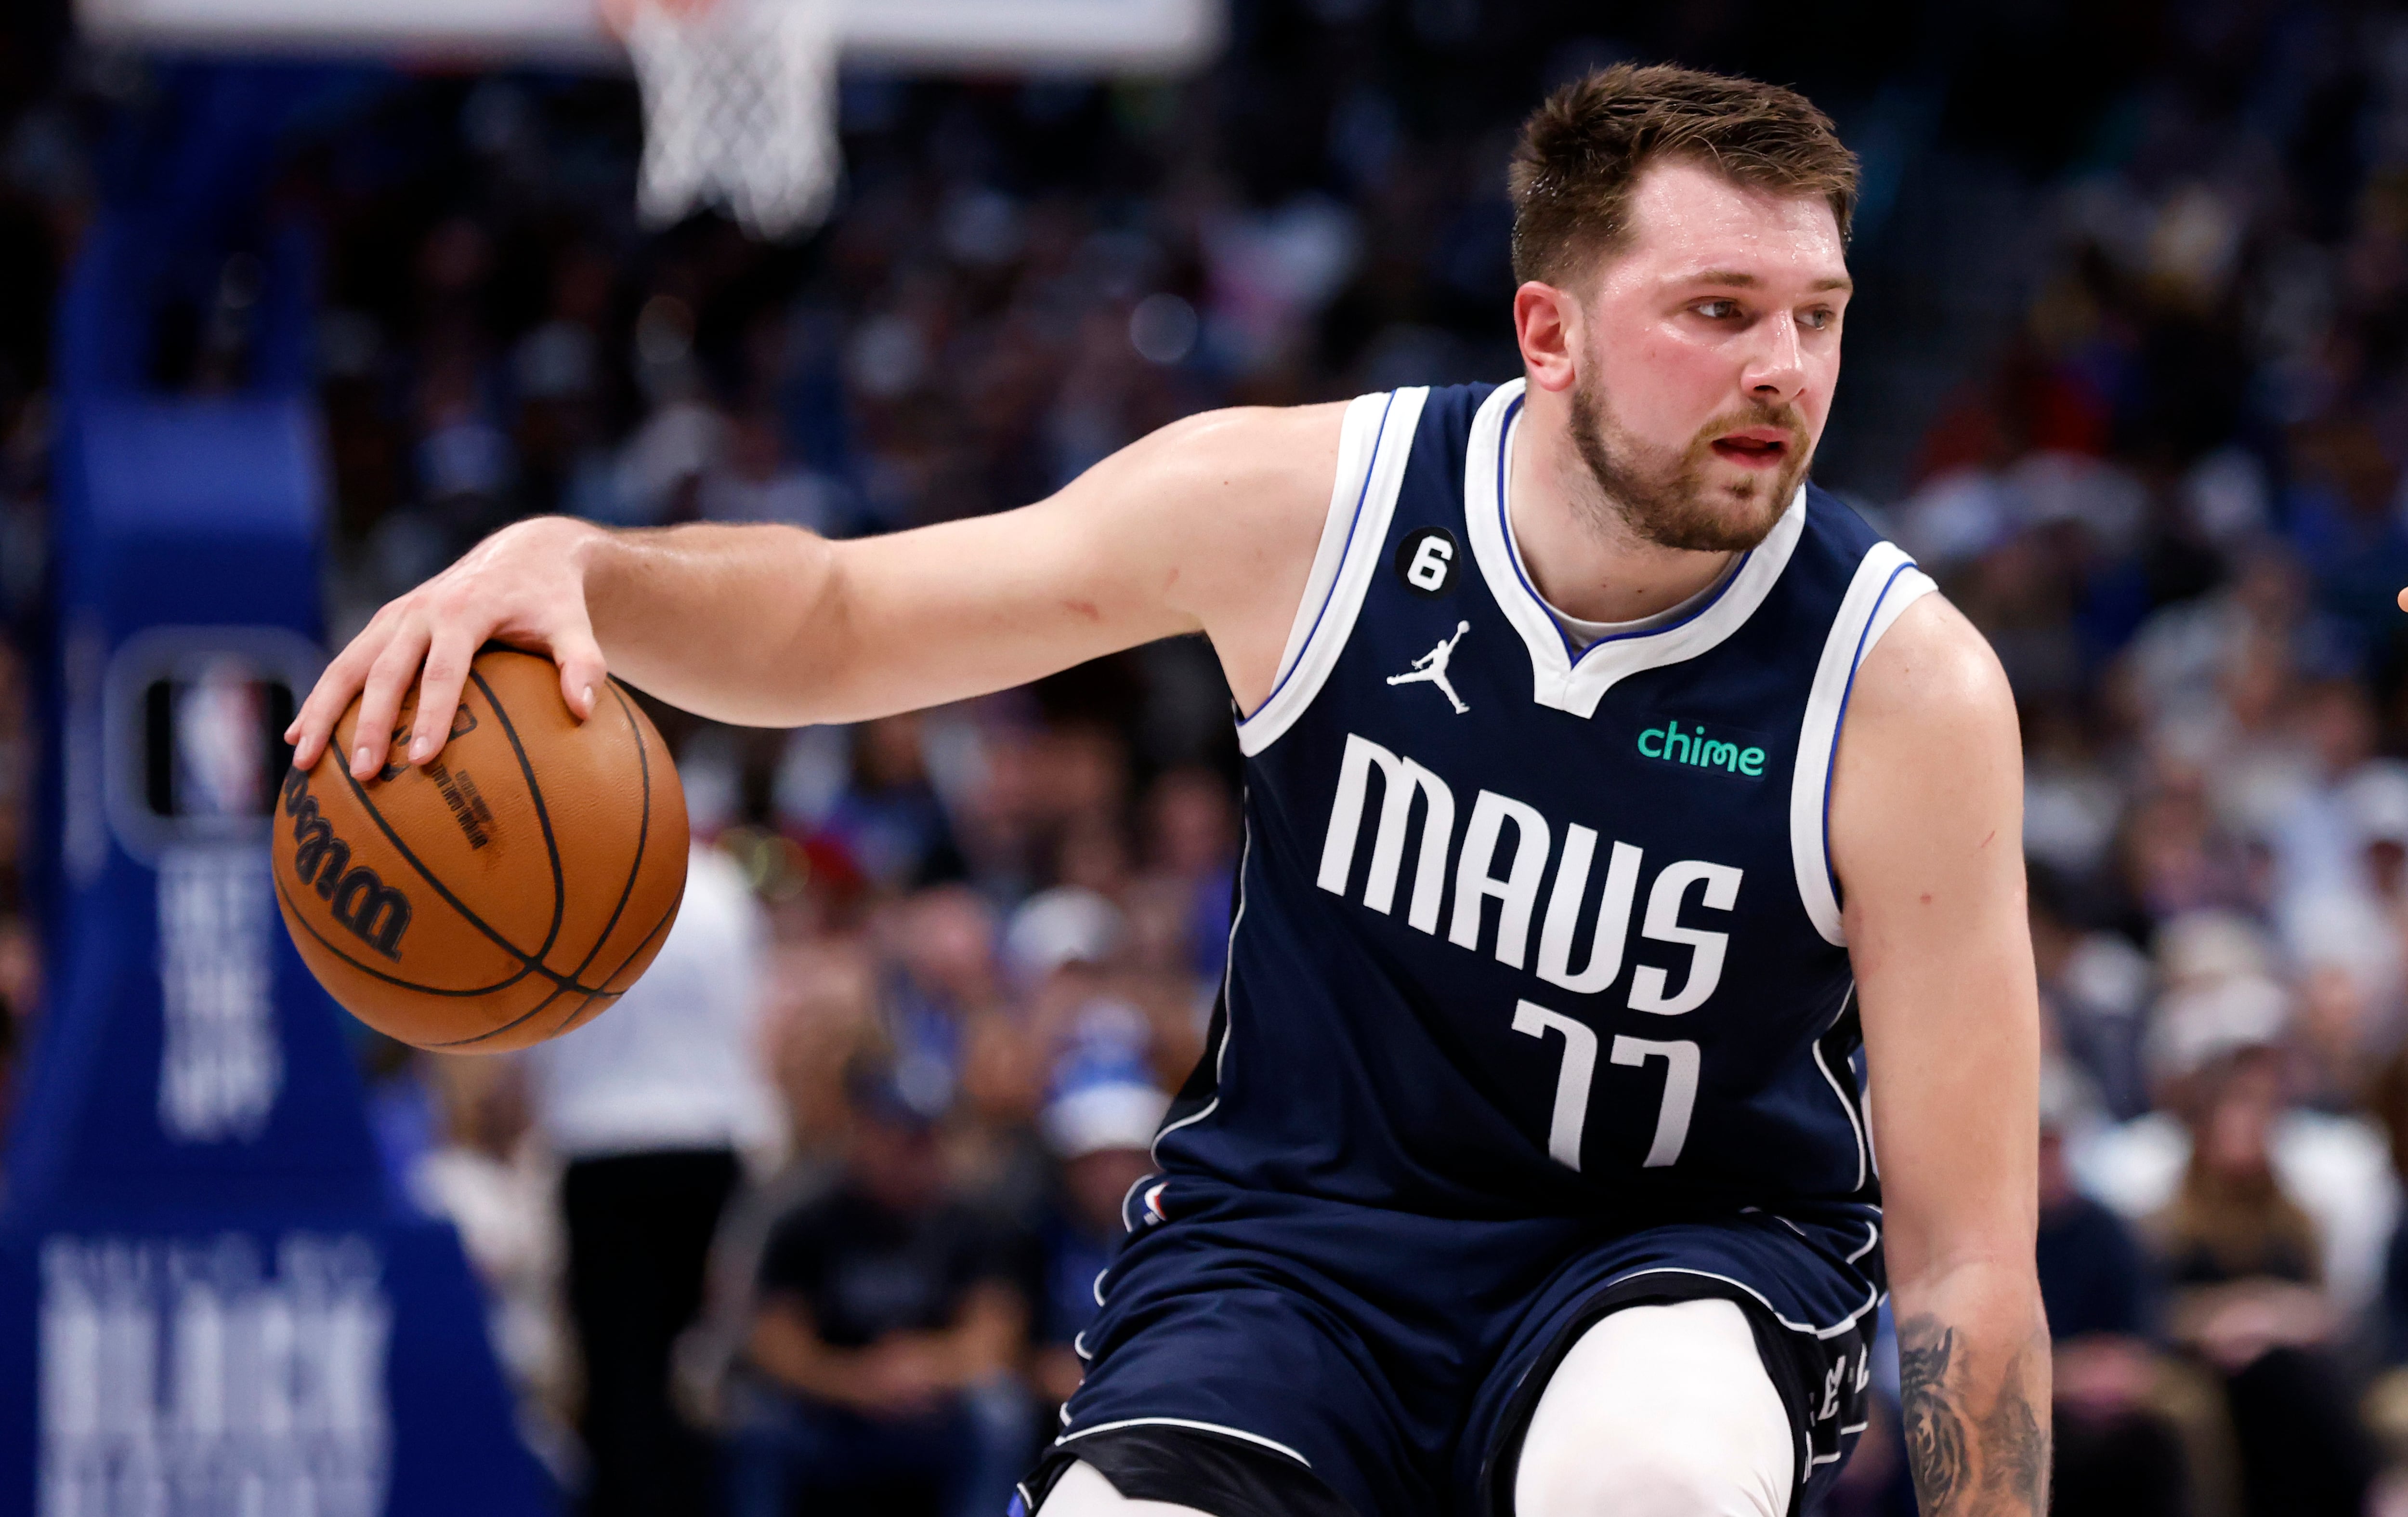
{"type": "Point", "coordinates": [1537, 1001]}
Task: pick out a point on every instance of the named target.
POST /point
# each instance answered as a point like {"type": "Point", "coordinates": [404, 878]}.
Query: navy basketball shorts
{"type": "Point", "coordinates": [1262, 1352]}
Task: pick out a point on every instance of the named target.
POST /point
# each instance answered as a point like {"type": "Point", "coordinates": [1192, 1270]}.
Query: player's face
{"type": "Point", "coordinates": [1707, 356]}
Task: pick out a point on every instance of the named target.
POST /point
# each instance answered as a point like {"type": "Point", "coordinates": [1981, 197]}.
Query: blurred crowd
{"type": "Point", "coordinates": [813, 1216]}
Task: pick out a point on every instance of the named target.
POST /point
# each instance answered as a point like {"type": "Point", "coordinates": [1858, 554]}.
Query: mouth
{"type": "Point", "coordinates": [1762, 447]}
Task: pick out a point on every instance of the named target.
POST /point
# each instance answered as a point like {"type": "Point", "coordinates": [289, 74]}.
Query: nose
{"type": "Point", "coordinates": [1775, 374]}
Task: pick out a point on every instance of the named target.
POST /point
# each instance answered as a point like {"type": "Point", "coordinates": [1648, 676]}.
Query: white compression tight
{"type": "Point", "coordinates": [1656, 1412]}
{"type": "Point", "coordinates": [1084, 1492]}
{"type": "Point", "coordinates": [1660, 1412]}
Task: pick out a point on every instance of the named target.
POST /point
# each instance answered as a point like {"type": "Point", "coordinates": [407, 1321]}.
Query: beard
{"type": "Point", "coordinates": [1670, 497]}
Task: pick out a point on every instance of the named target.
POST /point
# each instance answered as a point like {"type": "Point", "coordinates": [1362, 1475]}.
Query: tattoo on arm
{"type": "Point", "coordinates": [2014, 1449]}
{"type": "Point", "coordinates": [1934, 1430]}
{"type": "Point", "coordinates": [1964, 1464]}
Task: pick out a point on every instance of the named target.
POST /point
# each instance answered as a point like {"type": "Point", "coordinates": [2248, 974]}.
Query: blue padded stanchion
{"type": "Point", "coordinates": [210, 1302]}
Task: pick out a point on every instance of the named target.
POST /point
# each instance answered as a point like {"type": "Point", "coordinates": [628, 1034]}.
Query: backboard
{"type": "Point", "coordinates": [1112, 36]}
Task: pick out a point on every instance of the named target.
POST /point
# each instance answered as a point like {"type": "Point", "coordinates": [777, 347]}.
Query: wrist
{"type": "Point", "coordinates": [597, 559]}
{"type": "Point", "coordinates": [582, 545]}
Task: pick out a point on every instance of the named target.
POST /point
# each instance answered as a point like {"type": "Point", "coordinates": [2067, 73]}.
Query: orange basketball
{"type": "Point", "coordinates": [502, 894]}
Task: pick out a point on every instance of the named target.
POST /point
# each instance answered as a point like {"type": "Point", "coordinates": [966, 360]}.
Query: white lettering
{"type": "Point", "coordinates": [1647, 982]}
{"type": "Point", "coordinates": [1400, 779]}
{"type": "Point", "coordinates": [221, 1065]}
{"type": "Point", "coordinates": [1518, 890]}
{"type": "Point", "coordinates": [1681, 1061]}
{"type": "Point", "coordinates": [1429, 565]}
{"type": "Point", "coordinates": [184, 1376]}
{"type": "Point", "coordinates": [1563, 914]}
{"type": "Point", "coordinates": [1572, 1077]}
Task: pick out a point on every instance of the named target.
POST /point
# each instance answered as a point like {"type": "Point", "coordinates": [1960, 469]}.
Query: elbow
{"type": "Point", "coordinates": [1991, 1273]}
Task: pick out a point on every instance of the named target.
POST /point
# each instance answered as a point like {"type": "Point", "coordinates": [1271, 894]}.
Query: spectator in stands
{"type": "Point", "coordinates": [2115, 1456]}
{"type": "Point", "coordinates": [1192, 845]}
{"type": "Point", "coordinates": [651, 1107]}
{"type": "Point", "coordinates": [494, 1184]}
{"type": "Point", "coordinates": [2245, 1262]}
{"type": "Point", "coordinates": [888, 819]}
{"type": "Point", "coordinates": [2222, 1002]}
{"type": "Point", "coordinates": [1099, 1126]}
{"type": "Point", "coordinates": [2096, 986]}
{"type": "Point", "coordinates": [754, 482]}
{"type": "Point", "coordinates": [942, 945]}
{"type": "Point", "coordinates": [889, 1322]}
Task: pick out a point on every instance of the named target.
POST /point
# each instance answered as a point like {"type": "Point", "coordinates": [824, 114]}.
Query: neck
{"type": "Point", "coordinates": [1576, 546]}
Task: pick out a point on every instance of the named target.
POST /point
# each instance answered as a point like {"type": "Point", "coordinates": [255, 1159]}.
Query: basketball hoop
{"type": "Point", "coordinates": [739, 108]}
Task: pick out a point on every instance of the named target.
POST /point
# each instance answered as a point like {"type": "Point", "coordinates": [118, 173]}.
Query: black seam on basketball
{"type": "Point", "coordinates": [533, 962]}
{"type": "Point", "coordinates": [599, 1001]}
{"type": "Point", "coordinates": [643, 831]}
{"type": "Point", "coordinates": [520, 1021]}
{"type": "Point", "coordinates": [542, 814]}
{"type": "Point", "coordinates": [605, 997]}
{"type": "Point", "coordinates": [525, 967]}
{"type": "Point", "coordinates": [659, 927]}
{"type": "Point", "coordinates": [667, 917]}
{"type": "Point", "coordinates": [530, 964]}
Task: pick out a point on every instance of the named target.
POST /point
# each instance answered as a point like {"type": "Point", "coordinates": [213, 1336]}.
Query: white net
{"type": "Point", "coordinates": [739, 111]}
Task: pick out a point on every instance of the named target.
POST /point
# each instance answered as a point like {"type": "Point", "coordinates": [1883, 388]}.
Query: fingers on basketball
{"type": "Point", "coordinates": [313, 725]}
{"type": "Point", "coordinates": [391, 680]}
{"type": "Point", "coordinates": [582, 671]}
{"type": "Point", "coordinates": [502, 894]}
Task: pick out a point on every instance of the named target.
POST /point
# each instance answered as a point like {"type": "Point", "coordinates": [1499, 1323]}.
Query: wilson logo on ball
{"type": "Point", "coordinates": [376, 912]}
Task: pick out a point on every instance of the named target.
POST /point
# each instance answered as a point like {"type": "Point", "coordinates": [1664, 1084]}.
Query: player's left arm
{"type": "Point", "coordinates": [1927, 839]}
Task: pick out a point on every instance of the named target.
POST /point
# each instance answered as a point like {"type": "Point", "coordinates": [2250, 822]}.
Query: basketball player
{"type": "Point", "coordinates": [1608, 787]}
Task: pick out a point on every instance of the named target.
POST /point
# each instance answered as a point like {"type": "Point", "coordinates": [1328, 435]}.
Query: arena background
{"type": "Point", "coordinates": [2125, 370]}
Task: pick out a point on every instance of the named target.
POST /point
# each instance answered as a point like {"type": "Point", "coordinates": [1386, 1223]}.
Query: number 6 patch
{"type": "Point", "coordinates": [1427, 560]}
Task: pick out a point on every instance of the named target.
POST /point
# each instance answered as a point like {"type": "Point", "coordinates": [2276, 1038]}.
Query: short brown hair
{"type": "Point", "coordinates": [1582, 150]}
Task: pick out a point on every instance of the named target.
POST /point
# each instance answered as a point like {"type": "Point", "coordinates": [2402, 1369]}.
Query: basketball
{"type": "Point", "coordinates": [508, 891]}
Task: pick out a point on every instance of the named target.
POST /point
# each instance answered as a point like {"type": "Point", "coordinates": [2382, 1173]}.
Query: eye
{"type": "Point", "coordinates": [1821, 319]}
{"type": "Point", "coordinates": [1716, 310]}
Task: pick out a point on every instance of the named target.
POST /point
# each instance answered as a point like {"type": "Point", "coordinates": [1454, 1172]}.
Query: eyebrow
{"type": "Point", "coordinates": [1738, 279]}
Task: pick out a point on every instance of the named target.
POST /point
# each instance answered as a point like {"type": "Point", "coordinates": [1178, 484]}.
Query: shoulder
{"type": "Point", "coordinates": [1929, 776]}
{"type": "Point", "coordinates": [1301, 446]}
{"type": "Point", "coordinates": [1219, 515]}
{"type": "Point", "coordinates": [1214, 497]}
{"type": "Point", "coordinates": [1253, 447]}
{"type": "Point", "coordinates": [1934, 672]}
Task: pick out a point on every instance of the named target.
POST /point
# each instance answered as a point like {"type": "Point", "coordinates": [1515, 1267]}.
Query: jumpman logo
{"type": "Point", "coordinates": [1432, 667]}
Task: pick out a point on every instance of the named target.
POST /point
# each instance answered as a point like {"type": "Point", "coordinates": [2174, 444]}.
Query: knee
{"type": "Point", "coordinates": [1659, 1411]}
{"type": "Point", "coordinates": [1639, 1480]}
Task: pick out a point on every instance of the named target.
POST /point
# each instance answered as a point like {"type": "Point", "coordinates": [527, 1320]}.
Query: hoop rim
{"type": "Point", "coordinates": [1065, 37]}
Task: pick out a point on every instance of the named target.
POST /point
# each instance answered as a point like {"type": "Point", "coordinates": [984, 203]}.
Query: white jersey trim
{"type": "Point", "coordinates": [1228, 1022]}
{"type": "Point", "coordinates": [1183, 1421]}
{"type": "Point", "coordinates": [1808, 1328]}
{"type": "Point", "coordinates": [1855, 1125]}
{"type": "Point", "coordinates": [1576, 682]}
{"type": "Point", "coordinates": [1373, 445]}
{"type": "Point", "coordinates": [1886, 583]}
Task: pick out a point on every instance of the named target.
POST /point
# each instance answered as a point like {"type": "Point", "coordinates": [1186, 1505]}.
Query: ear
{"type": "Point", "coordinates": [1546, 323]}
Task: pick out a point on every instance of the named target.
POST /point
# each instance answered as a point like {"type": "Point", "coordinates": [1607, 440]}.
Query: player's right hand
{"type": "Point", "coordinates": [525, 585]}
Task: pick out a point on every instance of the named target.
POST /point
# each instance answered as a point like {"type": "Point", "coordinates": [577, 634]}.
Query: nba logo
{"type": "Point", "coordinates": [193, 756]}
{"type": "Point", "coordinates": [216, 725]}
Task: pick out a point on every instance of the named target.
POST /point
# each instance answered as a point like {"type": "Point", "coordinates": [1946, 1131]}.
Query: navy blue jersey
{"type": "Point", "coordinates": [1524, 929]}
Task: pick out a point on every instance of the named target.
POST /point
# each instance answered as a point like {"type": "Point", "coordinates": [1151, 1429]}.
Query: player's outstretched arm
{"type": "Point", "coordinates": [1926, 837]}
{"type": "Point", "coordinates": [1209, 524]}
